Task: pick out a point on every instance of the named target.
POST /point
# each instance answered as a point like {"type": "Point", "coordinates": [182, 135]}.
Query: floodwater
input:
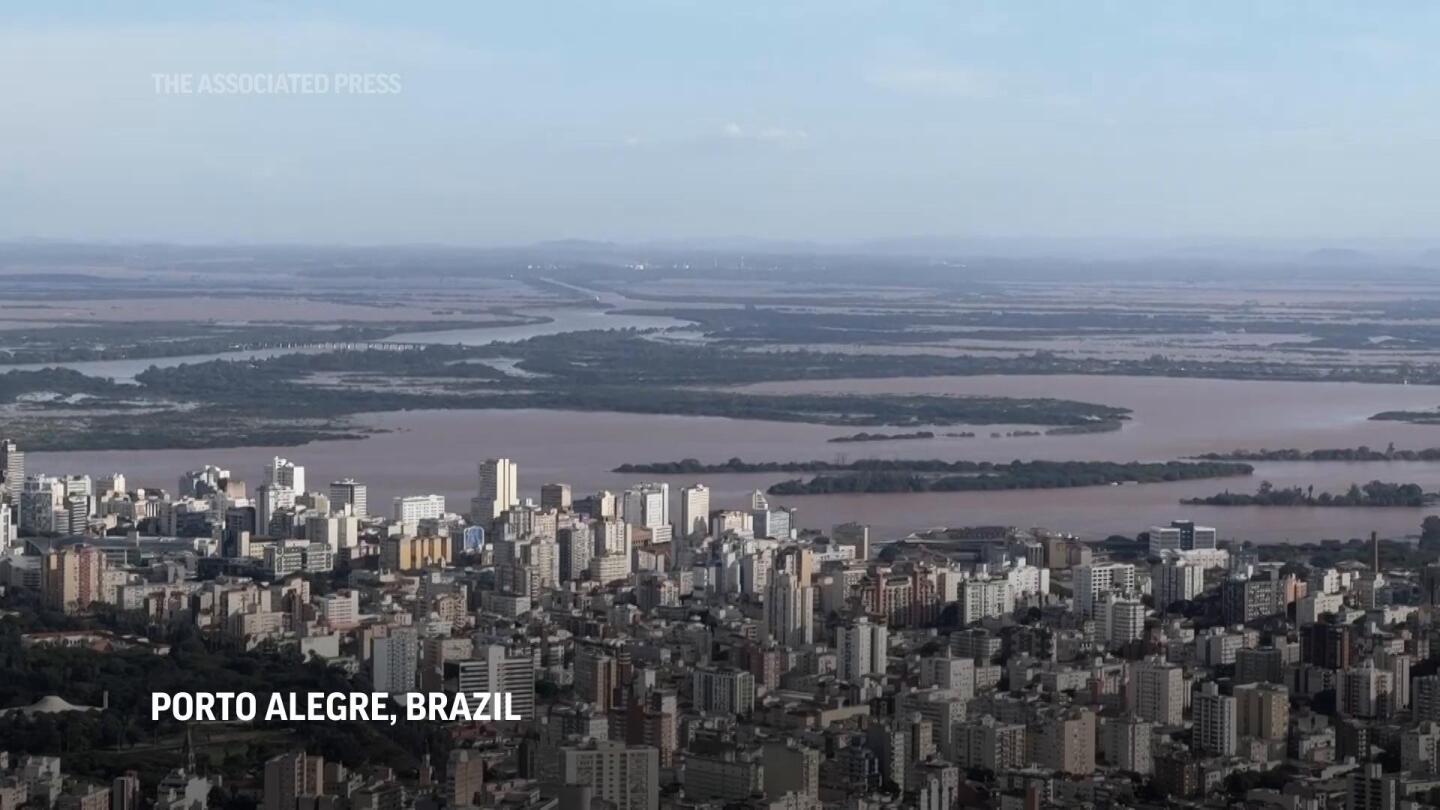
{"type": "Point", "coordinates": [562, 320]}
{"type": "Point", "coordinates": [436, 451]}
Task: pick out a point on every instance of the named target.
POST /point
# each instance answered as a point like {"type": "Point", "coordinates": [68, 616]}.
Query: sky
{"type": "Point", "coordinates": [815, 120]}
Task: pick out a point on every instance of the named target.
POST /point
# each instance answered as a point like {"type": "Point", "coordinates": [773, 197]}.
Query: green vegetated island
{"type": "Point", "coordinates": [1375, 493]}
{"type": "Point", "coordinates": [309, 397]}
{"type": "Point", "coordinates": [1097, 426]}
{"type": "Point", "coordinates": [934, 475]}
{"type": "Point", "coordinates": [1414, 417]}
{"type": "Point", "coordinates": [153, 340]}
{"type": "Point", "coordinates": [882, 437]}
{"type": "Point", "coordinates": [1361, 453]}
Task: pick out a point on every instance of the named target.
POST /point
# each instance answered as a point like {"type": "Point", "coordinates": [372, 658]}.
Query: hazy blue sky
{"type": "Point", "coordinates": [828, 120]}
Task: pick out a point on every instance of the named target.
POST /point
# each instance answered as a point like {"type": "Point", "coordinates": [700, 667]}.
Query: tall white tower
{"type": "Point", "coordinates": [498, 490]}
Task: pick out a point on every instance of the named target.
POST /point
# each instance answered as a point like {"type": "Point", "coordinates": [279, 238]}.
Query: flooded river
{"type": "Point", "coordinates": [436, 451]}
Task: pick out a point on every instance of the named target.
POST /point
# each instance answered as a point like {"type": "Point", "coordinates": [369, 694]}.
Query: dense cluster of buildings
{"type": "Point", "coordinates": [663, 652]}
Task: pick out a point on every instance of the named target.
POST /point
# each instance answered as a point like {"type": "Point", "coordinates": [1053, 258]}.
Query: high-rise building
{"type": "Point", "coordinates": [611, 537]}
{"type": "Point", "coordinates": [1425, 698]}
{"type": "Point", "coordinates": [203, 482]}
{"type": "Point", "coordinates": [1326, 645]}
{"type": "Point", "coordinates": [1181, 535]}
{"type": "Point", "coordinates": [1175, 579]}
{"type": "Point", "coordinates": [1215, 729]}
{"type": "Point", "coordinates": [990, 744]}
{"type": "Point", "coordinates": [603, 506]}
{"type": "Point", "coordinates": [1246, 600]}
{"type": "Point", "coordinates": [496, 668]}
{"type": "Point", "coordinates": [498, 490]}
{"type": "Point", "coordinates": [464, 778]}
{"type": "Point", "coordinates": [694, 511]}
{"type": "Point", "coordinates": [270, 499]}
{"type": "Point", "coordinates": [647, 504]}
{"type": "Point", "coordinates": [290, 776]}
{"type": "Point", "coordinates": [408, 511]}
{"type": "Point", "coordinates": [1067, 742]}
{"type": "Point", "coordinates": [9, 532]}
{"type": "Point", "coordinates": [944, 709]}
{"type": "Point", "coordinates": [1373, 789]}
{"type": "Point", "coordinates": [75, 517]}
{"type": "Point", "coordinates": [1262, 711]}
{"type": "Point", "coordinates": [1420, 749]}
{"type": "Point", "coordinates": [1097, 578]}
{"type": "Point", "coordinates": [597, 674]}
{"type": "Point", "coordinates": [776, 523]}
{"type": "Point", "coordinates": [862, 649]}
{"type": "Point", "coordinates": [414, 553]}
{"type": "Point", "coordinates": [240, 525]}
{"type": "Point", "coordinates": [625, 777]}
{"type": "Point", "coordinates": [12, 469]}
{"type": "Point", "coordinates": [42, 506]}
{"type": "Point", "coordinates": [790, 610]}
{"type": "Point", "coordinates": [349, 496]}
{"type": "Point", "coordinates": [1125, 743]}
{"type": "Point", "coordinates": [1158, 691]}
{"type": "Point", "coordinates": [555, 496]}
{"type": "Point", "coordinates": [285, 473]}
{"type": "Point", "coordinates": [727, 521]}
{"type": "Point", "coordinates": [723, 691]}
{"type": "Point", "coordinates": [855, 535]}
{"type": "Point", "coordinates": [72, 578]}
{"type": "Point", "coordinates": [395, 661]}
{"type": "Point", "coordinates": [1265, 664]}
{"type": "Point", "coordinates": [576, 548]}
{"type": "Point", "coordinates": [947, 672]}
{"type": "Point", "coordinates": [1121, 619]}
{"type": "Point", "coordinates": [791, 767]}
{"type": "Point", "coordinates": [1366, 691]}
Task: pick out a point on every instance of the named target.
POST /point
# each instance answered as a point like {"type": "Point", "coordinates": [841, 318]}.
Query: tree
{"type": "Point", "coordinates": [1430, 532]}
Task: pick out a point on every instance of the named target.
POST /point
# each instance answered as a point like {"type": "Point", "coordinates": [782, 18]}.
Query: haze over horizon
{"type": "Point", "coordinates": [831, 123]}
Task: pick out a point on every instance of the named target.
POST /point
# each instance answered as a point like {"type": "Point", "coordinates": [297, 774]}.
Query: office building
{"type": "Point", "coordinates": [12, 469]}
{"type": "Point", "coordinates": [270, 500]}
{"type": "Point", "coordinates": [1181, 535]}
{"type": "Point", "coordinates": [555, 496]}
{"type": "Point", "coordinates": [647, 505]}
{"type": "Point", "coordinates": [774, 523]}
{"type": "Point", "coordinates": [1097, 578]}
{"type": "Point", "coordinates": [496, 668]}
{"type": "Point", "coordinates": [498, 490]}
{"type": "Point", "coordinates": [854, 535]}
{"type": "Point", "coordinates": [694, 511]}
{"type": "Point", "coordinates": [349, 497]}
{"type": "Point", "coordinates": [409, 510]}
{"type": "Point", "coordinates": [285, 473]}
